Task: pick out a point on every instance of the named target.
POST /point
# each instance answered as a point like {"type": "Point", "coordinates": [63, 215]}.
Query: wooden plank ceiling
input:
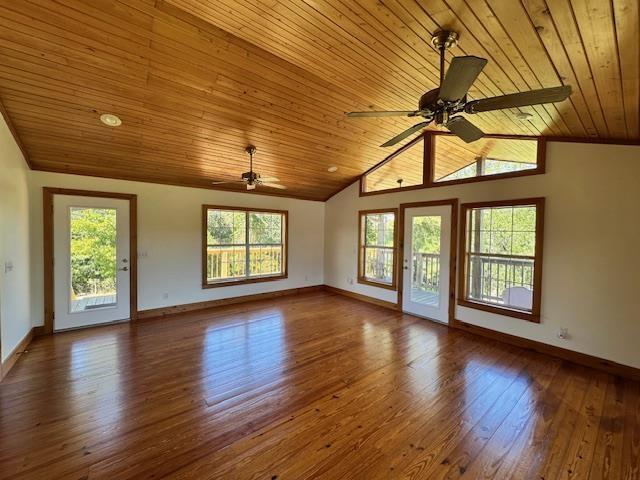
{"type": "Point", "coordinates": [194, 82]}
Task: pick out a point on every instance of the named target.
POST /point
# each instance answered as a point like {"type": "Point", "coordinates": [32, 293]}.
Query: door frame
{"type": "Point", "coordinates": [453, 262]}
{"type": "Point", "coordinates": [47, 217]}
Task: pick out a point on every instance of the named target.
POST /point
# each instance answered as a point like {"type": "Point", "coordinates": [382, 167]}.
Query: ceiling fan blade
{"type": "Point", "coordinates": [269, 179]}
{"type": "Point", "coordinates": [523, 99]}
{"type": "Point", "coordinates": [227, 182]}
{"type": "Point", "coordinates": [464, 129]}
{"type": "Point", "coordinates": [273, 185]}
{"type": "Point", "coordinates": [405, 134]}
{"type": "Point", "coordinates": [461, 74]}
{"type": "Point", "coordinates": [383, 114]}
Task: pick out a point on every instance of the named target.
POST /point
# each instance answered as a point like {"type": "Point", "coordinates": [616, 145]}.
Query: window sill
{"type": "Point", "coordinates": [243, 281]}
{"type": "Point", "coordinates": [388, 286]}
{"type": "Point", "coordinates": [530, 317]}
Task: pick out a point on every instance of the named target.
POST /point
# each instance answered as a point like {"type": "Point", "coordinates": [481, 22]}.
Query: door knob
{"type": "Point", "coordinates": [124, 269]}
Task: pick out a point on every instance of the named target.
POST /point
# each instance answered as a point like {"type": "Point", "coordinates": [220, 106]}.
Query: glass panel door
{"type": "Point", "coordinates": [91, 261]}
{"type": "Point", "coordinates": [426, 262]}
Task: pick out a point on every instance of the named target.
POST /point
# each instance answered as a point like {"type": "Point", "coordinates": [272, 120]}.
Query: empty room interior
{"type": "Point", "coordinates": [319, 239]}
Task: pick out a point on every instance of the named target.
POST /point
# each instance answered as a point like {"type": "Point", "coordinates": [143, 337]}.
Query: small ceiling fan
{"type": "Point", "coordinates": [441, 104]}
{"type": "Point", "coordinates": [252, 179]}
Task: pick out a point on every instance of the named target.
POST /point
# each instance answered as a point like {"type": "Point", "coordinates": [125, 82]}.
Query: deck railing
{"type": "Point", "coordinates": [230, 262]}
{"type": "Point", "coordinates": [426, 271]}
{"type": "Point", "coordinates": [491, 276]}
{"type": "Point", "coordinates": [378, 263]}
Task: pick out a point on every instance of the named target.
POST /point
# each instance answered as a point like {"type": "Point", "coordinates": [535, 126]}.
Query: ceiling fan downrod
{"type": "Point", "coordinates": [442, 41]}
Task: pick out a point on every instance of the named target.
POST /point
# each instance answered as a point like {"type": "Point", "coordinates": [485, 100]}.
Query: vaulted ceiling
{"type": "Point", "coordinates": [195, 82]}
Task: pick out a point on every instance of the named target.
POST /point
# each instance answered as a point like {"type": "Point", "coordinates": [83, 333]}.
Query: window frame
{"type": "Point", "coordinates": [424, 138]}
{"type": "Point", "coordinates": [463, 281]}
{"type": "Point", "coordinates": [540, 161]}
{"type": "Point", "coordinates": [394, 277]}
{"type": "Point", "coordinates": [246, 279]}
{"type": "Point", "coordinates": [428, 170]}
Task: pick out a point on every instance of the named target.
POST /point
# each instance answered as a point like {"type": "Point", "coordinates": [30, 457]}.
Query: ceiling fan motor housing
{"type": "Point", "coordinates": [428, 101]}
{"type": "Point", "coordinates": [250, 177]}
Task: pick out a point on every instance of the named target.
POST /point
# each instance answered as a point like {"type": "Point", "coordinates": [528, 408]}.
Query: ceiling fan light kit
{"type": "Point", "coordinates": [252, 179]}
{"type": "Point", "coordinates": [441, 105]}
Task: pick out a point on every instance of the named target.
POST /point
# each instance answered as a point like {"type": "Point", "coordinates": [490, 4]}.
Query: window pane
{"type": "Point", "coordinates": [379, 229]}
{"type": "Point", "coordinates": [498, 240]}
{"type": "Point", "coordinates": [425, 268]}
{"type": "Point", "coordinates": [225, 262]}
{"type": "Point", "coordinates": [378, 264]}
{"type": "Point", "coordinates": [226, 227]}
{"type": "Point", "coordinates": [265, 260]}
{"type": "Point", "coordinates": [403, 170]}
{"type": "Point", "coordinates": [93, 258]}
{"type": "Point", "coordinates": [265, 228]}
{"type": "Point", "coordinates": [454, 159]}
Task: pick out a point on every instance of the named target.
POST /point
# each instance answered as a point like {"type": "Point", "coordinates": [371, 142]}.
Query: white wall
{"type": "Point", "coordinates": [169, 239]}
{"type": "Point", "coordinates": [591, 264]}
{"type": "Point", "coordinates": [15, 312]}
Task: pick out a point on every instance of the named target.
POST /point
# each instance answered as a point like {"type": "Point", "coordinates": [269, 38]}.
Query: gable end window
{"type": "Point", "coordinates": [501, 255]}
{"type": "Point", "coordinates": [377, 247]}
{"type": "Point", "coordinates": [242, 245]}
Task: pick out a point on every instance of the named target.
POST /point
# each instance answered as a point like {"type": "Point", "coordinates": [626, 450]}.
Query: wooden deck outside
{"type": "Point", "coordinates": [315, 386]}
{"type": "Point", "coordinates": [89, 302]}
{"type": "Point", "coordinates": [425, 297]}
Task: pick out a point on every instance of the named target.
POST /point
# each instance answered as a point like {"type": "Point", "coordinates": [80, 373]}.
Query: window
{"type": "Point", "coordinates": [377, 248]}
{"type": "Point", "coordinates": [243, 245]}
{"type": "Point", "coordinates": [502, 255]}
{"type": "Point", "coordinates": [404, 168]}
{"type": "Point", "coordinates": [454, 161]}
{"type": "Point", "coordinates": [437, 158]}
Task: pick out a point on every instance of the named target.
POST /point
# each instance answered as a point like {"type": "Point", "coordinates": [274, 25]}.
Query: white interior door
{"type": "Point", "coordinates": [91, 261]}
{"type": "Point", "coordinates": [427, 235]}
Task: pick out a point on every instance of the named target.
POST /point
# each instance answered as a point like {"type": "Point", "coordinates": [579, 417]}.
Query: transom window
{"type": "Point", "coordinates": [377, 249]}
{"type": "Point", "coordinates": [502, 257]}
{"type": "Point", "coordinates": [243, 245]}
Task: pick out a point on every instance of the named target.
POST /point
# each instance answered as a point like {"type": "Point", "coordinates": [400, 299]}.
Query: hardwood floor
{"type": "Point", "coordinates": [309, 386]}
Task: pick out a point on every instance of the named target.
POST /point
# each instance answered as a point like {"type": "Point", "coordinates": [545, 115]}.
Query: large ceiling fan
{"type": "Point", "coordinates": [440, 105]}
{"type": "Point", "coordinates": [252, 179]}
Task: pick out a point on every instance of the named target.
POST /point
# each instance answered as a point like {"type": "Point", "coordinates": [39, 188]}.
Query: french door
{"type": "Point", "coordinates": [427, 250]}
{"type": "Point", "coordinates": [91, 261]}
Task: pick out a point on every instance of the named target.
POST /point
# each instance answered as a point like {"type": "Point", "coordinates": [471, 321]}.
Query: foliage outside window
{"type": "Point", "coordinates": [377, 248]}
{"type": "Point", "coordinates": [502, 256]}
{"type": "Point", "coordinates": [244, 245]}
{"type": "Point", "coordinates": [93, 251]}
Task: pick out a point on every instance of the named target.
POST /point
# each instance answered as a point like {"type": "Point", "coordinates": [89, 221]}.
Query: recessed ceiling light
{"type": "Point", "coordinates": [332, 169]}
{"type": "Point", "coordinates": [110, 120]}
{"type": "Point", "coordinates": [524, 116]}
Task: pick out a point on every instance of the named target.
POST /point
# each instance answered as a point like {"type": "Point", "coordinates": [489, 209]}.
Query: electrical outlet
{"type": "Point", "coordinates": [306, 278]}
{"type": "Point", "coordinates": [165, 296]}
{"type": "Point", "coordinates": [8, 267]}
{"type": "Point", "coordinates": [563, 334]}
{"type": "Point", "coordinates": [350, 281]}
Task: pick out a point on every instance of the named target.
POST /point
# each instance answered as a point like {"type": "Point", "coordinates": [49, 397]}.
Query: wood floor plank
{"type": "Point", "coordinates": [313, 386]}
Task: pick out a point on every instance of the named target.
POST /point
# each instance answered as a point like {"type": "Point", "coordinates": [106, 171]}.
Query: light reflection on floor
{"type": "Point", "coordinates": [96, 388]}
{"type": "Point", "coordinates": [252, 349]}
